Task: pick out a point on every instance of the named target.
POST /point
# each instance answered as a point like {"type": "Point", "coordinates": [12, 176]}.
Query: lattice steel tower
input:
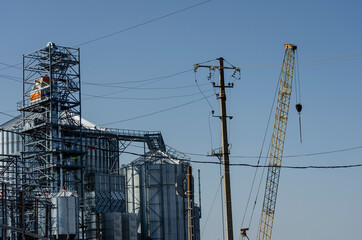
{"type": "Point", "coordinates": [277, 143]}
{"type": "Point", "coordinates": [51, 112]}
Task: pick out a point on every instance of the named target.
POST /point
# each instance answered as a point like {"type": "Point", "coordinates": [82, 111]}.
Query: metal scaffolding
{"type": "Point", "coordinates": [23, 214]}
{"type": "Point", "coordinates": [52, 142]}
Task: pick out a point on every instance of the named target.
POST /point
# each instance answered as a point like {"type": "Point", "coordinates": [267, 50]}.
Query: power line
{"type": "Point", "coordinates": [137, 87]}
{"type": "Point", "coordinates": [146, 99]}
{"type": "Point", "coordinates": [331, 57]}
{"type": "Point", "coordinates": [247, 165]}
{"type": "Point", "coordinates": [208, 162]}
{"type": "Point", "coordinates": [142, 24]}
{"type": "Point", "coordinates": [11, 66]}
{"type": "Point", "coordinates": [203, 94]}
{"type": "Point", "coordinates": [212, 206]}
{"type": "Point", "coordinates": [141, 85]}
{"type": "Point", "coordinates": [137, 81]}
{"type": "Point", "coordinates": [205, 155]}
{"type": "Point", "coordinates": [252, 66]}
{"type": "Point", "coordinates": [11, 78]}
{"type": "Point", "coordinates": [287, 156]}
{"type": "Point", "coordinates": [156, 88]}
{"type": "Point", "coordinates": [259, 158]}
{"type": "Point", "coordinates": [305, 61]}
{"type": "Point", "coordinates": [9, 115]}
{"type": "Point", "coordinates": [120, 31]}
{"type": "Point", "coordinates": [288, 167]}
{"type": "Point", "coordinates": [153, 113]}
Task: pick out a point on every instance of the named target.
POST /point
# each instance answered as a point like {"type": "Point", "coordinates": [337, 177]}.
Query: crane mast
{"type": "Point", "coordinates": [277, 144]}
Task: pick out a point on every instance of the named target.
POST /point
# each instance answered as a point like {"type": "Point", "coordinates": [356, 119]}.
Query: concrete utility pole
{"type": "Point", "coordinates": [225, 154]}
{"type": "Point", "coordinates": [225, 145]}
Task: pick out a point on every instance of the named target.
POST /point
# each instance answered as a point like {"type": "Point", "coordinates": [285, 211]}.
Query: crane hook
{"type": "Point", "coordinates": [299, 107]}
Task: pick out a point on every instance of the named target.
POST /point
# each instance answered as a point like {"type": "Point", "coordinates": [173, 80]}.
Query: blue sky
{"type": "Point", "coordinates": [312, 204]}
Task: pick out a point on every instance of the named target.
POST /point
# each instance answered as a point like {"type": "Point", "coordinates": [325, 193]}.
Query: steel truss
{"type": "Point", "coordinates": [24, 215]}
{"type": "Point", "coordinates": [51, 112]}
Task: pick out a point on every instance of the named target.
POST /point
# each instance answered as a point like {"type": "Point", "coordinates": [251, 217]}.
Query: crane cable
{"type": "Point", "coordinates": [212, 206]}
{"type": "Point", "coordinates": [258, 163]}
{"type": "Point", "coordinates": [298, 101]}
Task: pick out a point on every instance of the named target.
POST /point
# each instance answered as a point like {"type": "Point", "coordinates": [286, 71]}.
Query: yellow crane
{"type": "Point", "coordinates": [277, 144]}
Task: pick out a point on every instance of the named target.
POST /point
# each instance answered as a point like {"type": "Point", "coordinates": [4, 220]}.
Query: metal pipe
{"type": "Point", "coordinates": [190, 225]}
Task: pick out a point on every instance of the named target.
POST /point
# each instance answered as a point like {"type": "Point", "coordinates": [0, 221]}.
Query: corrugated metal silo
{"type": "Point", "coordinates": [151, 194]}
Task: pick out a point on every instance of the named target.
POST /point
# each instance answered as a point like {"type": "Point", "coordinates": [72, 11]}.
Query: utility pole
{"type": "Point", "coordinates": [225, 144]}
{"type": "Point", "coordinates": [225, 154]}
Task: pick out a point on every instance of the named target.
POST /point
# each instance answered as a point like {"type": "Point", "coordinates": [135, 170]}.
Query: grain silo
{"type": "Point", "coordinates": [151, 194]}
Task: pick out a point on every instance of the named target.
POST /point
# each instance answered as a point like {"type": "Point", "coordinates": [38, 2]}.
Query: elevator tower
{"type": "Point", "coordinates": [51, 119]}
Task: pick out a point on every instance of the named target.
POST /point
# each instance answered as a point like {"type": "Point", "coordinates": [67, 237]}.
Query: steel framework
{"type": "Point", "coordinates": [277, 143]}
{"type": "Point", "coordinates": [51, 112]}
{"type": "Point", "coordinates": [23, 214]}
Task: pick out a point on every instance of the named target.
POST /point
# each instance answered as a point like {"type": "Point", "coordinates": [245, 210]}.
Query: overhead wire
{"type": "Point", "coordinates": [141, 24]}
{"type": "Point", "coordinates": [228, 63]}
{"type": "Point", "coordinates": [300, 155]}
{"type": "Point", "coordinates": [156, 88]}
{"type": "Point", "coordinates": [242, 67]}
{"type": "Point", "coordinates": [197, 84]}
{"type": "Point", "coordinates": [143, 98]}
{"type": "Point", "coordinates": [139, 87]}
{"type": "Point", "coordinates": [305, 61]}
{"type": "Point", "coordinates": [285, 166]}
{"type": "Point", "coordinates": [137, 81]}
{"type": "Point", "coordinates": [210, 131]}
{"type": "Point", "coordinates": [255, 66]}
{"type": "Point", "coordinates": [162, 77]}
{"type": "Point", "coordinates": [11, 66]}
{"type": "Point", "coordinates": [259, 158]}
{"type": "Point", "coordinates": [212, 206]}
{"type": "Point", "coordinates": [206, 162]}
{"type": "Point", "coordinates": [9, 115]}
{"type": "Point", "coordinates": [120, 31]}
{"type": "Point", "coordinates": [207, 61]}
{"type": "Point", "coordinates": [287, 156]}
{"type": "Point", "coordinates": [331, 57]}
{"type": "Point", "coordinates": [11, 78]}
{"type": "Point", "coordinates": [153, 113]}
{"type": "Point", "coordinates": [290, 156]}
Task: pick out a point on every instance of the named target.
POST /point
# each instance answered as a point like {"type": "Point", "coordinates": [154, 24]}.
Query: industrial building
{"type": "Point", "coordinates": [61, 177]}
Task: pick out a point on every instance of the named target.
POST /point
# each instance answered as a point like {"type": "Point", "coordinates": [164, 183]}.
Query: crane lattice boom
{"type": "Point", "coordinates": [277, 144]}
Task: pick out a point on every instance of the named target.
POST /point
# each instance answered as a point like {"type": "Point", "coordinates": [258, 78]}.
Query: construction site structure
{"type": "Point", "coordinates": [277, 143]}
{"type": "Point", "coordinates": [60, 175]}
